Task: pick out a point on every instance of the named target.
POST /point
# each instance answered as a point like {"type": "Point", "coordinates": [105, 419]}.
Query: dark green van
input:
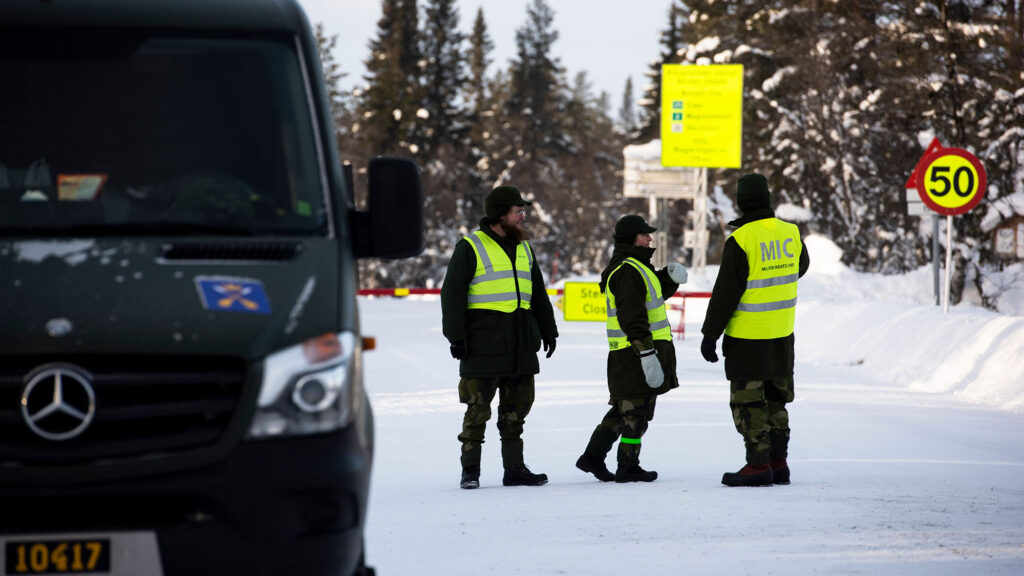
{"type": "Point", "coordinates": [181, 387]}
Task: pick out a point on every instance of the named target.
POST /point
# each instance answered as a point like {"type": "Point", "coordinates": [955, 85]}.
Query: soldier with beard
{"type": "Point", "coordinates": [496, 314]}
{"type": "Point", "coordinates": [641, 357]}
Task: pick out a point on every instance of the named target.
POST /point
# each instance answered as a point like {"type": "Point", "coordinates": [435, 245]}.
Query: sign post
{"type": "Point", "coordinates": [950, 181]}
{"type": "Point", "coordinates": [644, 176]}
{"type": "Point", "coordinates": [701, 127]}
{"type": "Point", "coordinates": [915, 207]}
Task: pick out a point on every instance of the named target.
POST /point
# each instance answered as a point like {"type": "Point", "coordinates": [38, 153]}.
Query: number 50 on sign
{"type": "Point", "coordinates": [951, 181]}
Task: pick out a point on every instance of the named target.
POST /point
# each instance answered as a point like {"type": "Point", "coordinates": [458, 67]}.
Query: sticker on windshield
{"type": "Point", "coordinates": [79, 186]}
{"type": "Point", "coordinates": [232, 294]}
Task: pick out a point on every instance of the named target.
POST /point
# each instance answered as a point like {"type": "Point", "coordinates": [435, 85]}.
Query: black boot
{"type": "Point", "coordinates": [470, 479]}
{"type": "Point", "coordinates": [634, 474]}
{"type": "Point", "coordinates": [780, 471]}
{"type": "Point", "coordinates": [749, 475]}
{"type": "Point", "coordinates": [520, 475]}
{"type": "Point", "coordinates": [592, 465]}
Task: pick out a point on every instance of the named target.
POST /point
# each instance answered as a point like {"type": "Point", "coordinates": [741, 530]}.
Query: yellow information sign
{"type": "Point", "coordinates": [583, 301]}
{"type": "Point", "coordinates": [702, 115]}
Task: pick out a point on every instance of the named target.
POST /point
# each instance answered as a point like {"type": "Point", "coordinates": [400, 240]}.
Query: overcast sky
{"type": "Point", "coordinates": [609, 39]}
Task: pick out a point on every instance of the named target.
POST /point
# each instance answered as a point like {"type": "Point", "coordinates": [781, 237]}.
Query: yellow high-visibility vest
{"type": "Point", "coordinates": [498, 284]}
{"type": "Point", "coordinates": [657, 316]}
{"type": "Point", "coordinates": [767, 308]}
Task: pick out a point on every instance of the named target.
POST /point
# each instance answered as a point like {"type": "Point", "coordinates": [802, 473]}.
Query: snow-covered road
{"type": "Point", "coordinates": [889, 476]}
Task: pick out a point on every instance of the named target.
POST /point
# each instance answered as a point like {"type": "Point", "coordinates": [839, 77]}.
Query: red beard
{"type": "Point", "coordinates": [515, 232]}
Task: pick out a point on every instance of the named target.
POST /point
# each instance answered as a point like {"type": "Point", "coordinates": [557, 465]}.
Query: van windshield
{"type": "Point", "coordinates": [115, 132]}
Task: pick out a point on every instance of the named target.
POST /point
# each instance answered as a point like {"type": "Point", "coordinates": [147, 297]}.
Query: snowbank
{"type": "Point", "coordinates": [890, 327]}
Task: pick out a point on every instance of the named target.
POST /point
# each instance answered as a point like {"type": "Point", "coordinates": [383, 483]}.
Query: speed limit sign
{"type": "Point", "coordinates": [951, 181]}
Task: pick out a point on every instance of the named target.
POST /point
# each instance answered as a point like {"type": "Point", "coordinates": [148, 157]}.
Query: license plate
{"type": "Point", "coordinates": [87, 556]}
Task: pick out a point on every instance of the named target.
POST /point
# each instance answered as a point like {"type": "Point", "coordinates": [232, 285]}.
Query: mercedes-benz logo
{"type": "Point", "coordinates": [58, 403]}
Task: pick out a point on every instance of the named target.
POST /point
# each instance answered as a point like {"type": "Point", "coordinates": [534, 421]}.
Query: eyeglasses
{"type": "Point", "coordinates": [521, 211]}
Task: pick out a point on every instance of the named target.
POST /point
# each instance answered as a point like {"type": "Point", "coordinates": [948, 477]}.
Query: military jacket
{"type": "Point", "coordinates": [746, 359]}
{"type": "Point", "coordinates": [500, 344]}
{"type": "Point", "coordinates": [625, 374]}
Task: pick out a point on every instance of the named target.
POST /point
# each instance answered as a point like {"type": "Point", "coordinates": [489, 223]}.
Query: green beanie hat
{"type": "Point", "coordinates": [499, 200]}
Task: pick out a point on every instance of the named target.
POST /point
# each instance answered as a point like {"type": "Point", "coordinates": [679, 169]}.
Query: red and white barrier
{"type": "Point", "coordinates": [679, 330]}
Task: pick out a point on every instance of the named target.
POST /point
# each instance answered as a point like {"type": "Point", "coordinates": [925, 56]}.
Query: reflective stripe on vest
{"type": "Point", "coordinates": [767, 308]}
{"type": "Point", "coordinates": [657, 316]}
{"type": "Point", "coordinates": [497, 285]}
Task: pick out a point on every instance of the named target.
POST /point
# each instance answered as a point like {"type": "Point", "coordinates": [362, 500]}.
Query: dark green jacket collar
{"type": "Point", "coordinates": [759, 214]}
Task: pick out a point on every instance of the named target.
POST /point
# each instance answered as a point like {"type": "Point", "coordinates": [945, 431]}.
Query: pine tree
{"type": "Point", "coordinates": [478, 59]}
{"type": "Point", "coordinates": [588, 194]}
{"type": "Point", "coordinates": [840, 99]}
{"type": "Point", "coordinates": [975, 99]}
{"type": "Point", "coordinates": [389, 103]}
{"type": "Point", "coordinates": [332, 73]}
{"type": "Point", "coordinates": [537, 81]}
{"type": "Point", "coordinates": [484, 122]}
{"type": "Point", "coordinates": [385, 115]}
{"type": "Point", "coordinates": [627, 113]}
{"type": "Point", "coordinates": [441, 118]}
{"type": "Point", "coordinates": [496, 145]}
{"type": "Point", "coordinates": [1013, 25]}
{"type": "Point", "coordinates": [671, 41]}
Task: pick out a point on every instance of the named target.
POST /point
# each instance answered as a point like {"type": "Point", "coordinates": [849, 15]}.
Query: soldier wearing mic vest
{"type": "Point", "coordinates": [496, 315]}
{"type": "Point", "coordinates": [641, 356]}
{"type": "Point", "coordinates": [754, 304]}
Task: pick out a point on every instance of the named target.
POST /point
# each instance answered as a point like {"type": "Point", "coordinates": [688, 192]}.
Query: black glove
{"type": "Point", "coordinates": [549, 346]}
{"type": "Point", "coordinates": [459, 349]}
{"type": "Point", "coordinates": [707, 349]}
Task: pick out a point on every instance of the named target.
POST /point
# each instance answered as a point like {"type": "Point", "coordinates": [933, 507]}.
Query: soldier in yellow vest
{"type": "Point", "coordinates": [641, 357]}
{"type": "Point", "coordinates": [754, 304]}
{"type": "Point", "coordinates": [496, 315]}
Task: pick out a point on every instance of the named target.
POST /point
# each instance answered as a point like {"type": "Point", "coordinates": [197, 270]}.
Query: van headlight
{"type": "Point", "coordinates": [307, 388]}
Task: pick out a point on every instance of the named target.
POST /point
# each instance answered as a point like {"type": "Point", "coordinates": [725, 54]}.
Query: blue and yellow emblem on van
{"type": "Point", "coordinates": [232, 294]}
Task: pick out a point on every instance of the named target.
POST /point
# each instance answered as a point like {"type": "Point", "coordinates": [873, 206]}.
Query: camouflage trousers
{"type": "Point", "coordinates": [627, 418]}
{"type": "Point", "coordinates": [515, 398]}
{"type": "Point", "coordinates": [759, 413]}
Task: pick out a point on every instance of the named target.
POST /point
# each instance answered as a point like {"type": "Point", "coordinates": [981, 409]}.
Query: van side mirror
{"type": "Point", "coordinates": [393, 225]}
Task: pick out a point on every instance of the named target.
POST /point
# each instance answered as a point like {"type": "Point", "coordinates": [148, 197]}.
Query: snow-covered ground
{"type": "Point", "coordinates": [907, 449]}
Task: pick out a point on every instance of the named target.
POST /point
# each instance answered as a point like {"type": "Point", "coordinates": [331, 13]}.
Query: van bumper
{"type": "Point", "coordinates": [286, 506]}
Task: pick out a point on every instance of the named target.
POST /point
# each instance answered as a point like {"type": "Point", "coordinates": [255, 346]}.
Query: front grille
{"type": "Point", "coordinates": [145, 407]}
{"type": "Point", "coordinates": [87, 512]}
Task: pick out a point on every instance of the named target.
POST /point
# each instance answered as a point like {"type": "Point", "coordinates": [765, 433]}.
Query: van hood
{"type": "Point", "coordinates": [222, 297]}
